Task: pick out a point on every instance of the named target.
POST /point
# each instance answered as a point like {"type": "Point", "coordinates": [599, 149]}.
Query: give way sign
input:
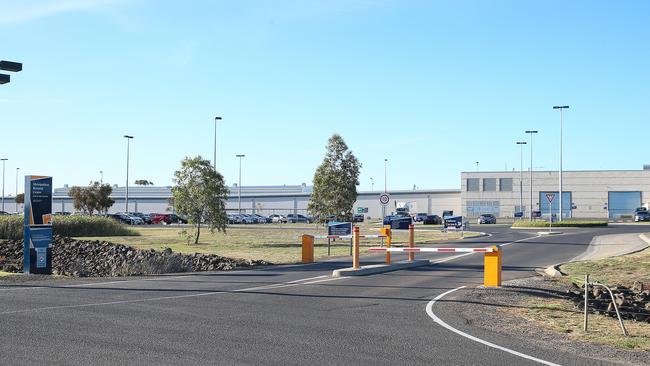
{"type": "Point", "coordinates": [550, 197]}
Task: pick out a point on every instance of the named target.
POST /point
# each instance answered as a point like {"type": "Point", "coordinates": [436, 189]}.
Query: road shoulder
{"type": "Point", "coordinates": [499, 316]}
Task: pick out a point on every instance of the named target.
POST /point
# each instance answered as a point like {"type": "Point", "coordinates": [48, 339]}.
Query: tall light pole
{"type": "Point", "coordinates": [372, 184]}
{"type": "Point", "coordinates": [17, 190]}
{"type": "Point", "coordinates": [101, 177]}
{"type": "Point", "coordinates": [3, 183]}
{"type": "Point", "coordinates": [531, 132]}
{"type": "Point", "coordinates": [521, 177]}
{"type": "Point", "coordinates": [128, 145]}
{"type": "Point", "coordinates": [477, 166]}
{"type": "Point", "coordinates": [383, 207]}
{"type": "Point", "coordinates": [214, 161]}
{"type": "Point", "coordinates": [239, 185]}
{"type": "Point", "coordinates": [562, 107]}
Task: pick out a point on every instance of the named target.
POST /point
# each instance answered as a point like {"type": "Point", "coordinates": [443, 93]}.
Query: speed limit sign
{"type": "Point", "coordinates": [384, 199]}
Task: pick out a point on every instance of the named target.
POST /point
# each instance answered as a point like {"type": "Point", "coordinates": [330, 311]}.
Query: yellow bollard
{"type": "Point", "coordinates": [307, 249]}
{"type": "Point", "coordinates": [492, 270]}
{"type": "Point", "coordinates": [411, 242]}
{"type": "Point", "coordinates": [355, 252]}
{"type": "Point", "coordinates": [389, 240]}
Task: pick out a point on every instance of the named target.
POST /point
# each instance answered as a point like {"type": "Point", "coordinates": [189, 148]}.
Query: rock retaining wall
{"type": "Point", "coordinates": [92, 258]}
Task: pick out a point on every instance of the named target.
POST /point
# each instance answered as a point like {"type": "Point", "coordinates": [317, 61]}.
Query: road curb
{"type": "Point", "coordinates": [378, 268]}
{"type": "Point", "coordinates": [554, 270]}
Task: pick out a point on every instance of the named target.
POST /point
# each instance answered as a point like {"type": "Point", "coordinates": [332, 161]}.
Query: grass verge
{"type": "Point", "coordinates": [562, 316]}
{"type": "Point", "coordinates": [563, 223]}
{"type": "Point", "coordinates": [271, 243]}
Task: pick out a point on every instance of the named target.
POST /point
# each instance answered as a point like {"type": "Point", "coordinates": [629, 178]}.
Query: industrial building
{"type": "Point", "coordinates": [602, 194]}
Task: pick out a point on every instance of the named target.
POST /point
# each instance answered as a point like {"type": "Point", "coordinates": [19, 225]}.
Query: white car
{"type": "Point", "coordinates": [275, 218]}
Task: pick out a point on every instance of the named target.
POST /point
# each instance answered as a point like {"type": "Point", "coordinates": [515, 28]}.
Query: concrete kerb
{"type": "Point", "coordinates": [554, 270]}
{"type": "Point", "coordinates": [379, 268]}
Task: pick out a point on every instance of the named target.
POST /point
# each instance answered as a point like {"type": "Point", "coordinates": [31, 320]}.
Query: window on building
{"type": "Point", "coordinates": [623, 203]}
{"type": "Point", "coordinates": [477, 208]}
{"type": "Point", "coordinates": [505, 184]}
{"type": "Point", "coordinates": [489, 184]}
{"type": "Point", "coordinates": [473, 184]}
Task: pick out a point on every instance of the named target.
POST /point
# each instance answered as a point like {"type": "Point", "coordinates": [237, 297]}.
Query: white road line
{"type": "Point", "coordinates": [439, 321]}
{"type": "Point", "coordinates": [318, 279]}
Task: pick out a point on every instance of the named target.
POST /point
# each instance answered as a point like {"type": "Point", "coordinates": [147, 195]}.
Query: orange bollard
{"type": "Point", "coordinates": [355, 244]}
{"type": "Point", "coordinates": [307, 249]}
{"type": "Point", "coordinates": [389, 240]}
{"type": "Point", "coordinates": [411, 242]}
{"type": "Point", "coordinates": [492, 268]}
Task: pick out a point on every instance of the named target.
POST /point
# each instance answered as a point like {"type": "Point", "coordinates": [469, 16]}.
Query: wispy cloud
{"type": "Point", "coordinates": [25, 11]}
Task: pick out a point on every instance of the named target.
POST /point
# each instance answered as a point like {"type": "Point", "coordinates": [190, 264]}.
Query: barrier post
{"type": "Point", "coordinates": [492, 268]}
{"type": "Point", "coordinates": [389, 241]}
{"type": "Point", "coordinates": [411, 242]}
{"type": "Point", "coordinates": [355, 252]}
{"type": "Point", "coordinates": [307, 249]}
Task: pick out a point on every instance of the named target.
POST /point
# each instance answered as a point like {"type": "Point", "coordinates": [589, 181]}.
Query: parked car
{"type": "Point", "coordinates": [487, 219]}
{"type": "Point", "coordinates": [419, 217]}
{"type": "Point", "coordinates": [642, 216]}
{"type": "Point", "coordinates": [178, 219]}
{"type": "Point", "coordinates": [145, 217]}
{"type": "Point", "coordinates": [259, 218]}
{"type": "Point", "coordinates": [275, 218]}
{"type": "Point", "coordinates": [161, 219]}
{"type": "Point", "coordinates": [4, 213]}
{"type": "Point", "coordinates": [122, 218]}
{"type": "Point", "coordinates": [61, 213]}
{"type": "Point", "coordinates": [357, 218]}
{"type": "Point", "coordinates": [432, 220]}
{"type": "Point", "coordinates": [134, 220]}
{"type": "Point", "coordinates": [293, 218]}
{"type": "Point", "coordinates": [388, 219]}
{"type": "Point", "coordinates": [245, 219]}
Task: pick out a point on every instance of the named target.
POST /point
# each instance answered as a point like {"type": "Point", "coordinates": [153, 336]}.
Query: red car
{"type": "Point", "coordinates": [164, 219]}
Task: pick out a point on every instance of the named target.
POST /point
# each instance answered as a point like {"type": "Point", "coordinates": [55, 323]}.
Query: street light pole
{"type": "Point", "coordinates": [383, 207]}
{"type": "Point", "coordinates": [477, 166]}
{"type": "Point", "coordinates": [239, 185]}
{"type": "Point", "coordinates": [521, 177]}
{"type": "Point", "coordinates": [372, 184]}
{"type": "Point", "coordinates": [531, 132]}
{"type": "Point", "coordinates": [214, 161]}
{"type": "Point", "coordinates": [128, 145]}
{"type": "Point", "coordinates": [561, 151]}
{"type": "Point", "coordinates": [3, 183]}
{"type": "Point", "coordinates": [101, 177]}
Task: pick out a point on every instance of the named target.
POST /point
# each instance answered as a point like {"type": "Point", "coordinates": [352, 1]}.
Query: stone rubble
{"type": "Point", "coordinates": [93, 258]}
{"type": "Point", "coordinates": [633, 302]}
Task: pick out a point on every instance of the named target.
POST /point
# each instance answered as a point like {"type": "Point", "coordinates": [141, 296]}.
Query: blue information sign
{"type": "Point", "coordinates": [37, 229]}
{"type": "Point", "coordinates": [454, 222]}
{"type": "Point", "coordinates": [339, 228]}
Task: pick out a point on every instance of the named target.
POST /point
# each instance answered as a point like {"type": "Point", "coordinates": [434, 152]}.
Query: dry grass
{"type": "Point", "coordinates": [562, 316]}
{"type": "Point", "coordinates": [274, 243]}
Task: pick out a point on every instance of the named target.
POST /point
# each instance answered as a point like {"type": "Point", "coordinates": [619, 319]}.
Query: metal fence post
{"type": "Point", "coordinates": [586, 316]}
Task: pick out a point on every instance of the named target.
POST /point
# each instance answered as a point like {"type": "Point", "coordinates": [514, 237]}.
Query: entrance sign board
{"type": "Point", "coordinates": [339, 228]}
{"type": "Point", "coordinates": [37, 227]}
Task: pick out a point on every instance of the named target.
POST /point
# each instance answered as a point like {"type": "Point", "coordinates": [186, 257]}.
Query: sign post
{"type": "Point", "coordinates": [338, 229]}
{"type": "Point", "coordinates": [550, 197]}
{"type": "Point", "coordinates": [37, 227]}
{"type": "Point", "coordinates": [384, 199]}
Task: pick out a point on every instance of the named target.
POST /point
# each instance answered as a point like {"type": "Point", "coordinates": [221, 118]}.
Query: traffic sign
{"type": "Point", "coordinates": [384, 198]}
{"type": "Point", "coordinates": [550, 197]}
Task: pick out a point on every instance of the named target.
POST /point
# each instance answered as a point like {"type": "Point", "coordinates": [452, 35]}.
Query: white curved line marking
{"type": "Point", "coordinates": [475, 339]}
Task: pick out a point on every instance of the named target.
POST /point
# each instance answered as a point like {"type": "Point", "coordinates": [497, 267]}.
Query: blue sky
{"type": "Point", "coordinates": [432, 86]}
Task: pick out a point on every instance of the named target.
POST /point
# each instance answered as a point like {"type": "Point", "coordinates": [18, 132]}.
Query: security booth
{"type": "Point", "coordinates": [37, 227]}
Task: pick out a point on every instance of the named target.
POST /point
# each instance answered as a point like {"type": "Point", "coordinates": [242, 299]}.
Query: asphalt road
{"type": "Point", "coordinates": [275, 315]}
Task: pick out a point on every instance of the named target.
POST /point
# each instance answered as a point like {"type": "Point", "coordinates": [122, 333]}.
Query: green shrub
{"type": "Point", "coordinates": [563, 223]}
{"type": "Point", "coordinates": [11, 227]}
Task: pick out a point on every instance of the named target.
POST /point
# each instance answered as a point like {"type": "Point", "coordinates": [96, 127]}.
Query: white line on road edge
{"type": "Point", "coordinates": [312, 280]}
{"type": "Point", "coordinates": [475, 339]}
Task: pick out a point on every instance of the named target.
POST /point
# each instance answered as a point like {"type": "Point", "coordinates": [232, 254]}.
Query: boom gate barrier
{"type": "Point", "coordinates": [492, 261]}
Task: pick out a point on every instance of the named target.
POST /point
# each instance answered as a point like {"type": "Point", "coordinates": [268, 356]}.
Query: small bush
{"type": "Point", "coordinates": [11, 227]}
{"type": "Point", "coordinates": [563, 223]}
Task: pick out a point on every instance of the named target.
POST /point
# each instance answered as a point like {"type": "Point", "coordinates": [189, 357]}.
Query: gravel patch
{"type": "Point", "coordinates": [474, 303]}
